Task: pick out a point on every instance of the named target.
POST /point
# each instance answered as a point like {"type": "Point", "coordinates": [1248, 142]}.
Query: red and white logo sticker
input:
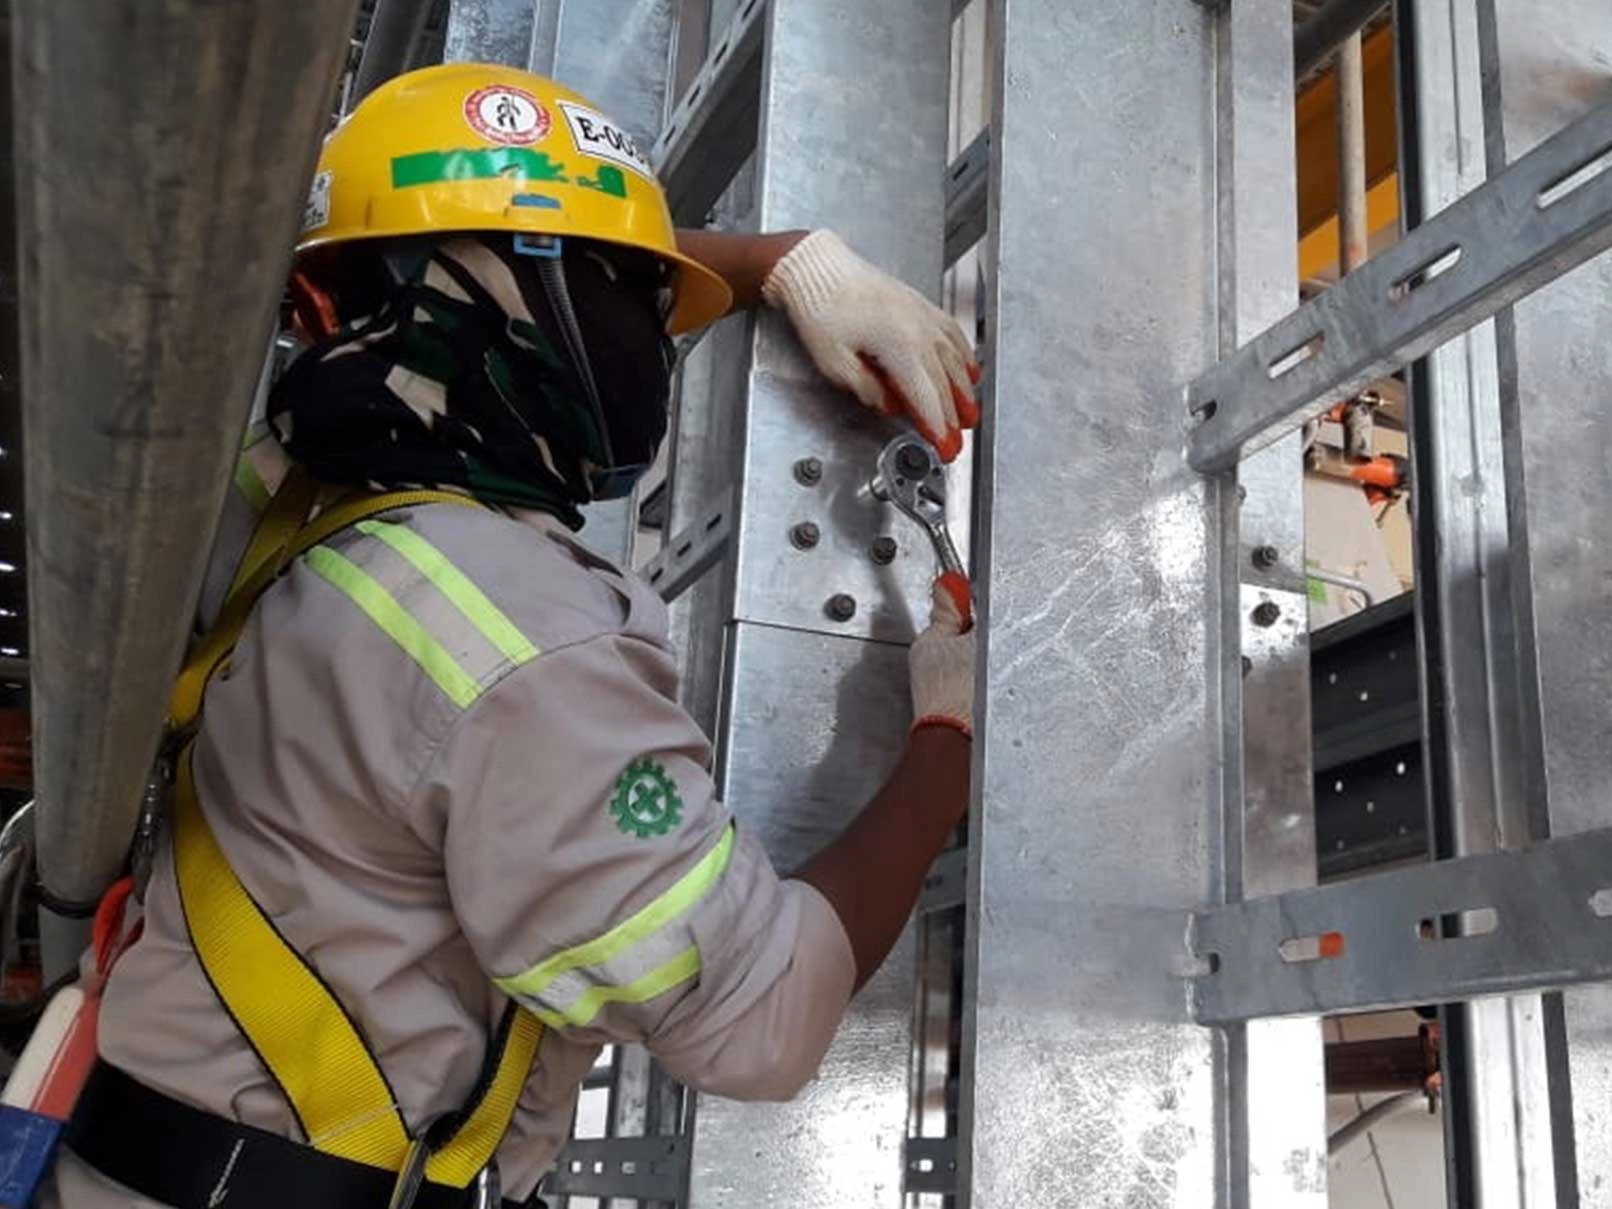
{"type": "Point", "coordinates": [501, 113]}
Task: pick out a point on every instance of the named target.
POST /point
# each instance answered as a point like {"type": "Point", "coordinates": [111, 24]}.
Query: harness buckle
{"type": "Point", "coordinates": [411, 1175]}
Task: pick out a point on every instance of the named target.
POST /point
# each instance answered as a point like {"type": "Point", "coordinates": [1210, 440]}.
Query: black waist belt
{"type": "Point", "coordinates": [189, 1159]}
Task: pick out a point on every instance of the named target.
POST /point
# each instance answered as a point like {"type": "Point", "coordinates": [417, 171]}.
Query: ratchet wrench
{"type": "Point", "coordinates": [911, 476]}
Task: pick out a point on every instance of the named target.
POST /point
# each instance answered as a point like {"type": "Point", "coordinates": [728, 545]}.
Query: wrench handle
{"type": "Point", "coordinates": [946, 551]}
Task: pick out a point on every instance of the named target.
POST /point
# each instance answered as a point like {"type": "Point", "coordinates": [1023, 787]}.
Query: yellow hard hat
{"type": "Point", "coordinates": [477, 147]}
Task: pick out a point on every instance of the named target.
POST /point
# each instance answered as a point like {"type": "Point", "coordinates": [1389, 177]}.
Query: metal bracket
{"type": "Point", "coordinates": [1547, 213]}
{"type": "Point", "coordinates": [967, 178]}
{"type": "Point", "coordinates": [713, 131]}
{"type": "Point", "coordinates": [931, 1166]}
{"type": "Point", "coordinates": [646, 1169]}
{"type": "Point", "coordinates": [693, 551]}
{"type": "Point", "coordinates": [1492, 924]}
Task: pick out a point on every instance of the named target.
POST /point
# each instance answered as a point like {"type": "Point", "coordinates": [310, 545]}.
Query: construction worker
{"type": "Point", "coordinates": [442, 829]}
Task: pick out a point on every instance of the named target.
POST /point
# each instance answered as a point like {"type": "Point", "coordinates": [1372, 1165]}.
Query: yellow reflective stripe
{"type": "Point", "coordinates": [396, 622]}
{"type": "Point", "coordinates": [641, 990]}
{"type": "Point", "coordinates": [453, 583]}
{"type": "Point", "coordinates": [690, 888]}
{"type": "Point", "coordinates": [250, 483]}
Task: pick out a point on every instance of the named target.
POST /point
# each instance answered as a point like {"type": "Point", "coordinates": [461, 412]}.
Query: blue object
{"type": "Point", "coordinates": [540, 201]}
{"type": "Point", "coordinates": [546, 246]}
{"type": "Point", "coordinates": [27, 1150]}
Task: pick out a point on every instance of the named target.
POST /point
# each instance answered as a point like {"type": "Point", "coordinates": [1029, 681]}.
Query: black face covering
{"type": "Point", "coordinates": [534, 378]}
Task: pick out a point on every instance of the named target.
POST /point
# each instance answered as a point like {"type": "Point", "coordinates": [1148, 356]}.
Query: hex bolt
{"type": "Point", "coordinates": [912, 461]}
{"type": "Point", "coordinates": [805, 535]}
{"type": "Point", "coordinates": [809, 472]}
{"type": "Point", "coordinates": [884, 550]}
{"type": "Point", "coordinates": [1266, 613]}
{"type": "Point", "coordinates": [1266, 557]}
{"type": "Point", "coordinates": [841, 607]}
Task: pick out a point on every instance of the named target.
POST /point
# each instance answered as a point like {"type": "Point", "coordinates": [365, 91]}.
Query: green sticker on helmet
{"type": "Point", "coordinates": [646, 801]}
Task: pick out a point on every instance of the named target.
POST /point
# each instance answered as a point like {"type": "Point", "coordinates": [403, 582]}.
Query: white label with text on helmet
{"type": "Point", "coordinates": [594, 134]}
{"type": "Point", "coordinates": [316, 211]}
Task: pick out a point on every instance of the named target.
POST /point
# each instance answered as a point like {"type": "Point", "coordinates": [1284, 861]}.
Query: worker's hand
{"type": "Point", "coordinates": [878, 338]}
{"type": "Point", "coordinates": [942, 659]}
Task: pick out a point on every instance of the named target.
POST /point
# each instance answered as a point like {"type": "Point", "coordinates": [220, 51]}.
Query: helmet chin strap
{"type": "Point", "coordinates": [545, 251]}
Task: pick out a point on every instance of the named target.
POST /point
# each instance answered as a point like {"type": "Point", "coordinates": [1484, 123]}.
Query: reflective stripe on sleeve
{"type": "Point", "coordinates": [427, 606]}
{"type": "Point", "coordinates": [396, 622]}
{"type": "Point", "coordinates": [640, 958]}
{"type": "Point", "coordinates": [452, 583]}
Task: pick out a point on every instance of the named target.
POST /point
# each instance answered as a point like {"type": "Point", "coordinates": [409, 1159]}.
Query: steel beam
{"type": "Point", "coordinates": [966, 179]}
{"type": "Point", "coordinates": [1527, 920]}
{"type": "Point", "coordinates": [1097, 806]}
{"type": "Point", "coordinates": [147, 299]}
{"type": "Point", "coordinates": [692, 551]}
{"type": "Point", "coordinates": [713, 129]}
{"type": "Point", "coordinates": [490, 31]}
{"type": "Point", "coordinates": [1276, 1158]}
{"type": "Point", "coordinates": [1498, 1092]}
{"type": "Point", "coordinates": [1543, 66]}
{"type": "Point", "coordinates": [1507, 238]}
{"type": "Point", "coordinates": [811, 712]}
{"type": "Point", "coordinates": [392, 45]}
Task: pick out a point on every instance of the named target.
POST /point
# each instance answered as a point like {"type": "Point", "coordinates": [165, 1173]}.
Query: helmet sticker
{"type": "Point", "coordinates": [502, 113]}
{"type": "Point", "coordinates": [596, 135]}
{"type": "Point", "coordinates": [316, 212]}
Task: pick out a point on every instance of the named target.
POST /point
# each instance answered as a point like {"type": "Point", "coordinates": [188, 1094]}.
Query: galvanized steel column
{"type": "Point", "coordinates": [165, 151]}
{"type": "Point", "coordinates": [1098, 801]}
{"type": "Point", "coordinates": [1545, 65]}
{"type": "Point", "coordinates": [490, 31]}
{"type": "Point", "coordinates": [1275, 1080]}
{"type": "Point", "coordinates": [815, 710]}
{"type": "Point", "coordinates": [1498, 1114]}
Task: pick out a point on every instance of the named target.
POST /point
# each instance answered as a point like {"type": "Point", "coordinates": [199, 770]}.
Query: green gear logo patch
{"type": "Point", "coordinates": [646, 802]}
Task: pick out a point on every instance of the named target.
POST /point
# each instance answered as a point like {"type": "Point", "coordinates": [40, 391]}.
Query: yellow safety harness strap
{"type": "Point", "coordinates": [275, 544]}
{"type": "Point", "coordinates": [305, 1038]}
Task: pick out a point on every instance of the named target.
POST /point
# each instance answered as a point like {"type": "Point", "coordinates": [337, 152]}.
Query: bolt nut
{"type": "Point", "coordinates": [1266, 557]}
{"type": "Point", "coordinates": [912, 461]}
{"type": "Point", "coordinates": [1266, 613]}
{"type": "Point", "coordinates": [809, 472]}
{"type": "Point", "coordinates": [805, 535]}
{"type": "Point", "coordinates": [884, 550]}
{"type": "Point", "coordinates": [841, 607]}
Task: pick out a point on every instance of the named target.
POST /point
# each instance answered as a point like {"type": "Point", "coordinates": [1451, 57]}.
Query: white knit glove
{"type": "Point", "coordinates": [941, 659]}
{"type": "Point", "coordinates": [878, 338]}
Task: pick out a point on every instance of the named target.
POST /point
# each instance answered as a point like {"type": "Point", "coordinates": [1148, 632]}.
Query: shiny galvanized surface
{"type": "Point", "coordinates": [708, 428]}
{"type": "Point", "coordinates": [1497, 1085]}
{"type": "Point", "coordinates": [1097, 800]}
{"type": "Point", "coordinates": [1552, 67]}
{"type": "Point", "coordinates": [781, 584]}
{"type": "Point", "coordinates": [833, 69]}
{"type": "Point", "coordinates": [490, 31]}
{"type": "Point", "coordinates": [1275, 1078]}
{"type": "Point", "coordinates": [814, 726]}
{"type": "Point", "coordinates": [1397, 307]}
{"type": "Point", "coordinates": [1372, 942]}
{"type": "Point", "coordinates": [140, 349]}
{"type": "Point", "coordinates": [614, 52]}
{"type": "Point", "coordinates": [852, 112]}
{"type": "Point", "coordinates": [712, 129]}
